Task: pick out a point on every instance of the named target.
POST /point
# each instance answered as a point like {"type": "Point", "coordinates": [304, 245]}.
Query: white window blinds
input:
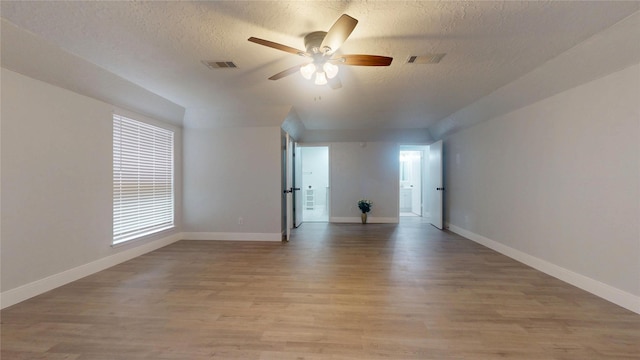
{"type": "Point", "coordinates": [142, 179]}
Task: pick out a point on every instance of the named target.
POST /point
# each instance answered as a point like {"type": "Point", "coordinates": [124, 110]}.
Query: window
{"type": "Point", "coordinates": [142, 179]}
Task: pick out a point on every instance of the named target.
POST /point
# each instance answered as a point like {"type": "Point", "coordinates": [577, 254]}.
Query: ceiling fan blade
{"type": "Point", "coordinates": [289, 71]}
{"type": "Point", "coordinates": [277, 46]}
{"type": "Point", "coordinates": [335, 83]}
{"type": "Point", "coordinates": [338, 33]}
{"type": "Point", "coordinates": [363, 60]}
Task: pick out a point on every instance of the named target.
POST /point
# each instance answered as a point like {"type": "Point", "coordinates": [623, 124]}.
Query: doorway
{"type": "Point", "coordinates": [314, 190]}
{"type": "Point", "coordinates": [413, 174]}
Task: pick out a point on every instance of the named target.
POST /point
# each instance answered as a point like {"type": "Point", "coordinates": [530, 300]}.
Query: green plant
{"type": "Point", "coordinates": [365, 205]}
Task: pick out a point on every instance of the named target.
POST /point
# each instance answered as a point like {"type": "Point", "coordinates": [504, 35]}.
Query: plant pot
{"type": "Point", "coordinates": [364, 218]}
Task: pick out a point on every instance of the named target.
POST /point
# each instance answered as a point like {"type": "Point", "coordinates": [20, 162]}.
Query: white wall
{"type": "Point", "coordinates": [556, 184]}
{"type": "Point", "coordinates": [608, 51]}
{"type": "Point", "coordinates": [407, 136]}
{"type": "Point", "coordinates": [364, 170]}
{"type": "Point", "coordinates": [57, 185]}
{"type": "Point", "coordinates": [28, 54]}
{"type": "Point", "coordinates": [229, 174]}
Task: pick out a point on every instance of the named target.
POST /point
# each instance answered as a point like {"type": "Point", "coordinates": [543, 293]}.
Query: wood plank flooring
{"type": "Point", "coordinates": [335, 291]}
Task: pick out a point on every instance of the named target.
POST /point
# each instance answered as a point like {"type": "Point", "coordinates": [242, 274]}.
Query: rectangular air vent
{"type": "Point", "coordinates": [425, 59]}
{"type": "Point", "coordinates": [220, 64]}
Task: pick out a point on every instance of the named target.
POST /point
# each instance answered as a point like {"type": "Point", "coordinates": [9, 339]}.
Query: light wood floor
{"type": "Point", "coordinates": [341, 291]}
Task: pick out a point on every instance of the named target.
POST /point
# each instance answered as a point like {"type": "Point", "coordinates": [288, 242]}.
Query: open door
{"type": "Point", "coordinates": [289, 185]}
{"type": "Point", "coordinates": [426, 209]}
{"type": "Point", "coordinates": [436, 186]}
{"type": "Point", "coordinates": [297, 184]}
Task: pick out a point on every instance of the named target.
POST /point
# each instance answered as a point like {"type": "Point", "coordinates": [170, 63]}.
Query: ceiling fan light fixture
{"type": "Point", "coordinates": [330, 69]}
{"type": "Point", "coordinates": [321, 78]}
{"type": "Point", "coordinates": [308, 70]}
{"type": "Point", "coordinates": [320, 47]}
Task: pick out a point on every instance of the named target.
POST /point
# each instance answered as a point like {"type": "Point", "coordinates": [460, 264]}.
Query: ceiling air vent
{"type": "Point", "coordinates": [425, 59]}
{"type": "Point", "coordinates": [220, 64]}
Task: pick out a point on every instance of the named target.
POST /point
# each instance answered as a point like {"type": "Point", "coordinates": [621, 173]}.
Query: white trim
{"type": "Point", "coordinates": [27, 291]}
{"type": "Point", "coordinates": [370, 219]}
{"type": "Point", "coordinates": [600, 289]}
{"type": "Point", "coordinates": [232, 236]}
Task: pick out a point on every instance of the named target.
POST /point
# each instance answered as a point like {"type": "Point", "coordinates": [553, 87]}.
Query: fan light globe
{"type": "Point", "coordinates": [321, 79]}
{"type": "Point", "coordinates": [330, 69]}
{"type": "Point", "coordinates": [308, 70]}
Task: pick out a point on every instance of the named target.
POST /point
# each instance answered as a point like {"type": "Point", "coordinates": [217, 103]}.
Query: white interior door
{"type": "Point", "coordinates": [426, 211]}
{"type": "Point", "coordinates": [297, 184]}
{"type": "Point", "coordinates": [436, 186]}
{"type": "Point", "coordinates": [289, 186]}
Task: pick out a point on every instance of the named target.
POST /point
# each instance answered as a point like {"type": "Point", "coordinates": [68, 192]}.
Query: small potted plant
{"type": "Point", "coordinates": [365, 206]}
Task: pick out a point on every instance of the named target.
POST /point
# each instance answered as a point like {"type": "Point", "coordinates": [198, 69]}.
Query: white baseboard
{"type": "Point", "coordinates": [232, 236]}
{"type": "Point", "coordinates": [370, 219]}
{"type": "Point", "coordinates": [24, 292]}
{"type": "Point", "coordinates": [600, 289]}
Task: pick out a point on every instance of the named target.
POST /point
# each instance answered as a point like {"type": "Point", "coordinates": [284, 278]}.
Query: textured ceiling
{"type": "Point", "coordinates": [159, 46]}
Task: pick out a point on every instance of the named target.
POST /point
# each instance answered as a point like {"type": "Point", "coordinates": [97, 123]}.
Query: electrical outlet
{"type": "Point", "coordinates": [240, 221]}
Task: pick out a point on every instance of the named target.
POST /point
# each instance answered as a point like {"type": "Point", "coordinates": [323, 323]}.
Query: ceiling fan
{"type": "Point", "coordinates": [321, 50]}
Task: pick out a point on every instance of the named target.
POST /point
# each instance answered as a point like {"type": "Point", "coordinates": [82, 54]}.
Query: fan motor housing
{"type": "Point", "coordinates": [312, 41]}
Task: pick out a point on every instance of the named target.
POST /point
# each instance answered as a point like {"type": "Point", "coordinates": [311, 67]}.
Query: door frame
{"type": "Point", "coordinates": [436, 184]}
{"type": "Point", "coordinates": [297, 185]}
{"type": "Point", "coordinates": [328, 195]}
{"type": "Point", "coordinates": [424, 170]}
